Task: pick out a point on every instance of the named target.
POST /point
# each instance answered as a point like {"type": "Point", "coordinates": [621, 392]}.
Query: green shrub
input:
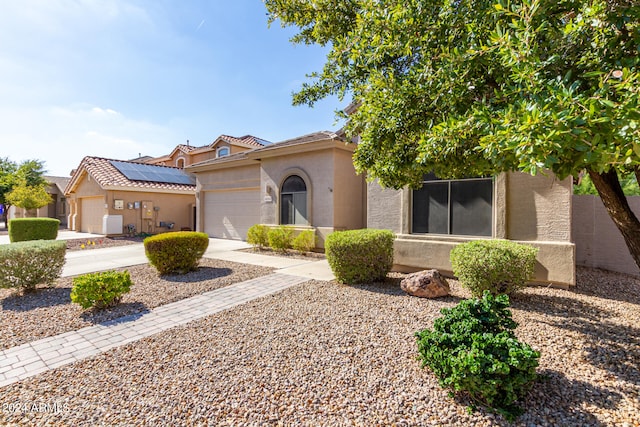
{"type": "Point", "coordinates": [100, 289]}
{"type": "Point", "coordinates": [305, 241]}
{"type": "Point", "coordinates": [176, 252]}
{"type": "Point", "coordinates": [473, 349]}
{"type": "Point", "coordinates": [280, 238]}
{"type": "Point", "coordinates": [23, 265]}
{"type": "Point", "coordinates": [499, 266]}
{"type": "Point", "coordinates": [258, 235]}
{"type": "Point", "coordinates": [24, 229]}
{"type": "Point", "coordinates": [358, 256]}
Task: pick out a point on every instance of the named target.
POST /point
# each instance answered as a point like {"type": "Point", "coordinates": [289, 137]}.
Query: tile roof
{"type": "Point", "coordinates": [305, 139]}
{"type": "Point", "coordinates": [107, 176]}
{"type": "Point", "coordinates": [246, 139]}
{"type": "Point", "coordinates": [59, 181]}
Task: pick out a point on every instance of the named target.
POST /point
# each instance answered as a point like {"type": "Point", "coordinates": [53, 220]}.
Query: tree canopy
{"type": "Point", "coordinates": [478, 87]}
{"type": "Point", "coordinates": [29, 173]}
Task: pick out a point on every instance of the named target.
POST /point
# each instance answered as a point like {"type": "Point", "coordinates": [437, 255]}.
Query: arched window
{"type": "Point", "coordinates": [293, 201]}
{"type": "Point", "coordinates": [180, 163]}
{"type": "Point", "coordinates": [222, 151]}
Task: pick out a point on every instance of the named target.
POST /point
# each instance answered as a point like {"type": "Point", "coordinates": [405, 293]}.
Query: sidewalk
{"type": "Point", "coordinates": [30, 359]}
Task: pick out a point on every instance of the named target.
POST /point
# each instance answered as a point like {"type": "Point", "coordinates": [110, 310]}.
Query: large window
{"type": "Point", "coordinates": [462, 207]}
{"type": "Point", "coordinates": [293, 201]}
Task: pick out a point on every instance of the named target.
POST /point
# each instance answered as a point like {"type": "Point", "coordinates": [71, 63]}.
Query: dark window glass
{"type": "Point", "coordinates": [293, 184]}
{"type": "Point", "coordinates": [293, 201]}
{"type": "Point", "coordinates": [460, 207]}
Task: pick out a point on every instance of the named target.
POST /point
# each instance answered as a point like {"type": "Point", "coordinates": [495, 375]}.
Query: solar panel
{"type": "Point", "coordinates": [153, 173]}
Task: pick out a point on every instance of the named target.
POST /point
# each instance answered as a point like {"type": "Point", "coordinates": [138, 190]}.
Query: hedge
{"type": "Point", "coordinates": [24, 229]}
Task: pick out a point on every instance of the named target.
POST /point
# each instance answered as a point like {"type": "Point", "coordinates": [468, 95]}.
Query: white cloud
{"type": "Point", "coordinates": [62, 136]}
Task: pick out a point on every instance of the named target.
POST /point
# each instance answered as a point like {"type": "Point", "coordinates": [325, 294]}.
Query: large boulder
{"type": "Point", "coordinates": [425, 284]}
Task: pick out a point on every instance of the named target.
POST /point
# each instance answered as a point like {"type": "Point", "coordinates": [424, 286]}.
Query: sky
{"type": "Point", "coordinates": [120, 78]}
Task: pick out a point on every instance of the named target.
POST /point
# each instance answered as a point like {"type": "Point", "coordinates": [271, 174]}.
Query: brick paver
{"type": "Point", "coordinates": [26, 360]}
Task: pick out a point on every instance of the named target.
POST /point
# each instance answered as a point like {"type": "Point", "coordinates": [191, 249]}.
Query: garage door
{"type": "Point", "coordinates": [92, 213]}
{"type": "Point", "coordinates": [229, 214]}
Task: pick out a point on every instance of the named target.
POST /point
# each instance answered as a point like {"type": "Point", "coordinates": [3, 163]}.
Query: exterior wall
{"type": "Point", "coordinates": [348, 192]}
{"type": "Point", "coordinates": [538, 208]}
{"type": "Point", "coordinates": [173, 208]}
{"type": "Point", "coordinates": [317, 169]}
{"type": "Point", "coordinates": [534, 210]}
{"type": "Point", "coordinates": [598, 241]}
{"type": "Point", "coordinates": [201, 157]}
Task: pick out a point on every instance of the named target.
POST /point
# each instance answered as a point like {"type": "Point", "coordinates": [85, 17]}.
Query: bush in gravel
{"type": "Point", "coordinates": [280, 238]}
{"type": "Point", "coordinates": [499, 266]}
{"type": "Point", "coordinates": [258, 236]}
{"type": "Point", "coordinates": [100, 290]}
{"type": "Point", "coordinates": [23, 265]}
{"type": "Point", "coordinates": [176, 252]}
{"type": "Point", "coordinates": [358, 256]}
{"type": "Point", "coordinates": [305, 241]}
{"type": "Point", "coordinates": [473, 349]}
{"type": "Point", "coordinates": [24, 229]}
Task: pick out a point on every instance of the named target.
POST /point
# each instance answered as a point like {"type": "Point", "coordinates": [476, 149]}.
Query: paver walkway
{"type": "Point", "coordinates": [24, 361]}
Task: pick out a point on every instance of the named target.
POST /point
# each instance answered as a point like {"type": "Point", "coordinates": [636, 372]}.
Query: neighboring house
{"type": "Point", "coordinates": [309, 182]}
{"type": "Point", "coordinates": [114, 197]}
{"type": "Point", "coordinates": [225, 145]}
{"type": "Point", "coordinates": [58, 208]}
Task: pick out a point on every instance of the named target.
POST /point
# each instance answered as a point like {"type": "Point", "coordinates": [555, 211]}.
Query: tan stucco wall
{"type": "Point", "coordinates": [538, 207]}
{"type": "Point", "coordinates": [598, 241]}
{"type": "Point", "coordinates": [317, 169]}
{"type": "Point", "coordinates": [348, 193]}
{"type": "Point", "coordinates": [533, 210]}
{"type": "Point", "coordinates": [176, 208]}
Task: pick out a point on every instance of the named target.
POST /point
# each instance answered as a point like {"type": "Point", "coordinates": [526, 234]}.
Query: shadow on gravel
{"type": "Point", "coordinates": [562, 404]}
{"type": "Point", "coordinates": [609, 285]}
{"type": "Point", "coordinates": [609, 346]}
{"type": "Point", "coordinates": [391, 286]}
{"type": "Point", "coordinates": [120, 313]}
{"type": "Point", "coordinates": [41, 298]}
{"type": "Point", "coordinates": [203, 273]}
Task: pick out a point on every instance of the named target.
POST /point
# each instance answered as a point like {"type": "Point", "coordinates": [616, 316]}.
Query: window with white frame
{"type": "Point", "coordinates": [222, 151]}
{"type": "Point", "coordinates": [293, 201]}
{"type": "Point", "coordinates": [460, 207]}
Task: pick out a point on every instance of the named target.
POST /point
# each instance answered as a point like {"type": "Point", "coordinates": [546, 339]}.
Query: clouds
{"type": "Point", "coordinates": [64, 135]}
{"type": "Point", "coordinates": [115, 78]}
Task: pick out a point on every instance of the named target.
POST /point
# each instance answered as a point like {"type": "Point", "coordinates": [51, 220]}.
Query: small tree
{"type": "Point", "coordinates": [29, 197]}
{"type": "Point", "coordinates": [29, 173]}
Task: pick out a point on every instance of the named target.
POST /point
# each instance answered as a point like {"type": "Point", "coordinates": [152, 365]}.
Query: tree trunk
{"type": "Point", "coordinates": [614, 200]}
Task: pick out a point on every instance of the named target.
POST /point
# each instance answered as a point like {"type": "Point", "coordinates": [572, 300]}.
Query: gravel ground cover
{"type": "Point", "coordinates": [101, 242]}
{"type": "Point", "coordinates": [49, 311]}
{"type": "Point", "coordinates": [327, 354]}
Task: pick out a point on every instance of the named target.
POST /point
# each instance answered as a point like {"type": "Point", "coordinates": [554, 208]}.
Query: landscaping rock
{"type": "Point", "coordinates": [426, 284]}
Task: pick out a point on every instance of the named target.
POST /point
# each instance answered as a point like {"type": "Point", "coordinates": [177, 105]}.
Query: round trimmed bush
{"type": "Point", "coordinates": [100, 290]}
{"type": "Point", "coordinates": [176, 252]}
{"type": "Point", "coordinates": [499, 266]}
{"type": "Point", "coordinates": [359, 256]}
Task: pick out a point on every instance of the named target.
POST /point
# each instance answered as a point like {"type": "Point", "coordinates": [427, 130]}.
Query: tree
{"type": "Point", "coordinates": [476, 87]}
{"type": "Point", "coordinates": [29, 173]}
{"type": "Point", "coordinates": [29, 197]}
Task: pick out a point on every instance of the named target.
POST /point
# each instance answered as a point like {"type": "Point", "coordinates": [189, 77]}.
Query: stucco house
{"type": "Point", "coordinates": [114, 197]}
{"type": "Point", "coordinates": [310, 182]}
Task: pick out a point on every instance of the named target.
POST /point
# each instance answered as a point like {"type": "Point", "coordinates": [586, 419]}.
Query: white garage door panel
{"type": "Point", "coordinates": [92, 213]}
{"type": "Point", "coordinates": [229, 215]}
